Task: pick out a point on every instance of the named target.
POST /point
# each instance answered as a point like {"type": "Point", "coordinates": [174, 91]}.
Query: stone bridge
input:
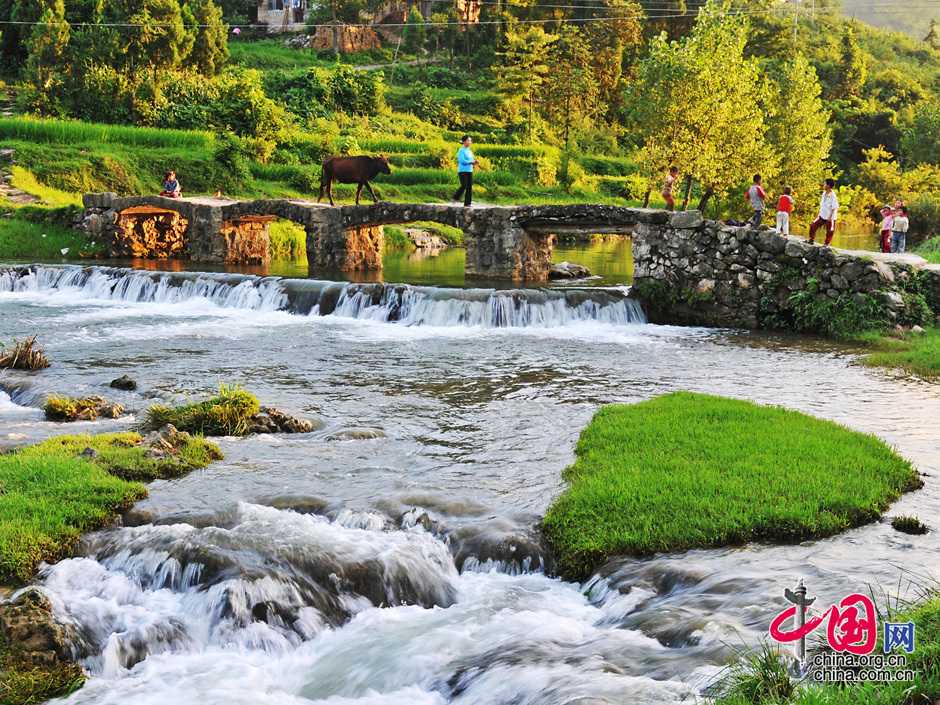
{"type": "Point", "coordinates": [686, 269]}
{"type": "Point", "coordinates": [502, 242]}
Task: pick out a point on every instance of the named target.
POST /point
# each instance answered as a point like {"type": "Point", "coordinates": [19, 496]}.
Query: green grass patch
{"type": "Point", "coordinates": [53, 131]}
{"type": "Point", "coordinates": [25, 684]}
{"type": "Point", "coordinates": [56, 490]}
{"type": "Point", "coordinates": [691, 470]}
{"type": "Point", "coordinates": [915, 354]}
{"type": "Point", "coordinates": [229, 413]}
{"type": "Point", "coordinates": [24, 180]}
{"type": "Point", "coordinates": [24, 239]}
{"type": "Point", "coordinates": [929, 250]}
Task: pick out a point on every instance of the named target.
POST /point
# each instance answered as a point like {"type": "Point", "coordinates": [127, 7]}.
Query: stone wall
{"type": "Point", "coordinates": [247, 240]}
{"type": "Point", "coordinates": [692, 271]}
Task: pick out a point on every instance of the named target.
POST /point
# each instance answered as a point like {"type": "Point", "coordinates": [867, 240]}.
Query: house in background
{"type": "Point", "coordinates": [283, 15]}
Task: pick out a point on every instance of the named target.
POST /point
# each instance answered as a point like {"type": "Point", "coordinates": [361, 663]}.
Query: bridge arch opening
{"type": "Point", "coordinates": [149, 232]}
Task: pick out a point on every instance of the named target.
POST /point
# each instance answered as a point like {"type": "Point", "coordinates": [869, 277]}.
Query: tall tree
{"type": "Point", "coordinates": [571, 90]}
{"type": "Point", "coordinates": [609, 39]}
{"type": "Point", "coordinates": [160, 40]}
{"type": "Point", "coordinates": [798, 129]}
{"type": "Point", "coordinates": [414, 33]}
{"type": "Point", "coordinates": [523, 72]}
{"type": "Point", "coordinates": [47, 46]}
{"type": "Point", "coordinates": [933, 35]}
{"type": "Point", "coordinates": [853, 65]}
{"type": "Point", "coordinates": [210, 44]}
{"type": "Point", "coordinates": [699, 103]}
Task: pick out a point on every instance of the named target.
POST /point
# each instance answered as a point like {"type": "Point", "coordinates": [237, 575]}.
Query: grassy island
{"type": "Point", "coordinates": [55, 490]}
{"type": "Point", "coordinates": [690, 470]}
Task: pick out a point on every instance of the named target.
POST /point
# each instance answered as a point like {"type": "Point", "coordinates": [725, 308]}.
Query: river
{"type": "Point", "coordinates": [392, 556]}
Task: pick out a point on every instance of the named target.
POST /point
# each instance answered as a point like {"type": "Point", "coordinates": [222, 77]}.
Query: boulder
{"type": "Point", "coordinates": [271, 420]}
{"type": "Point", "coordinates": [356, 434]}
{"type": "Point", "coordinates": [125, 383]}
{"type": "Point", "coordinates": [568, 270]}
{"type": "Point", "coordinates": [27, 622]}
{"type": "Point", "coordinates": [686, 220]}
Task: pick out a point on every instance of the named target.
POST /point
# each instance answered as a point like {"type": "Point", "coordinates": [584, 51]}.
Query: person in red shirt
{"type": "Point", "coordinates": [784, 208]}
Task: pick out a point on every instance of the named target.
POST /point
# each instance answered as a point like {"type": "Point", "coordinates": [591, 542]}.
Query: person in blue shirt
{"type": "Point", "coordinates": [465, 163]}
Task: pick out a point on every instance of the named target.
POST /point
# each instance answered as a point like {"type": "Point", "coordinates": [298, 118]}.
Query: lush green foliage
{"type": "Point", "coordinates": [930, 250]}
{"type": "Point", "coordinates": [53, 493]}
{"type": "Point", "coordinates": [229, 413]}
{"type": "Point", "coordinates": [689, 470]}
{"type": "Point", "coordinates": [22, 239]}
{"type": "Point", "coordinates": [909, 525]}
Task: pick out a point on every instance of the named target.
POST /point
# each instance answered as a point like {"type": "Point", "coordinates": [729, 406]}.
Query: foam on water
{"type": "Point", "coordinates": [408, 306]}
{"type": "Point", "coordinates": [222, 615]}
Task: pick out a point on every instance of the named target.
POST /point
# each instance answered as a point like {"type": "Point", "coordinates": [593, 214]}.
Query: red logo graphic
{"type": "Point", "coordinates": [850, 625]}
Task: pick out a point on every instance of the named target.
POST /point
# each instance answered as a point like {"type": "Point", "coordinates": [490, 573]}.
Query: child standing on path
{"type": "Point", "coordinates": [668, 186]}
{"type": "Point", "coordinates": [887, 219]}
{"type": "Point", "coordinates": [755, 196]}
{"type": "Point", "coordinates": [784, 208]}
{"type": "Point", "coordinates": [828, 213]}
{"type": "Point", "coordinates": [899, 230]}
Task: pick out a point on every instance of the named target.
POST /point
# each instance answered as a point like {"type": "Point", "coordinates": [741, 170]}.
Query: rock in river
{"type": "Point", "coordinates": [125, 383]}
{"type": "Point", "coordinates": [568, 270]}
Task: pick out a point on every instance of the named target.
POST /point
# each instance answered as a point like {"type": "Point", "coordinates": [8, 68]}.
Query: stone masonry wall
{"type": "Point", "coordinates": [692, 271]}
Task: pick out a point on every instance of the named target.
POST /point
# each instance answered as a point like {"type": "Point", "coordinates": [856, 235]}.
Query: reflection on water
{"type": "Point", "coordinates": [611, 258]}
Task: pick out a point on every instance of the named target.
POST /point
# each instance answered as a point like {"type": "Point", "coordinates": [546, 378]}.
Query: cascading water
{"type": "Point", "coordinates": [393, 557]}
{"type": "Point", "coordinates": [403, 304]}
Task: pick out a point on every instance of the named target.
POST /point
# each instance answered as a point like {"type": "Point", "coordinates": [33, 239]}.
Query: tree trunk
{"type": "Point", "coordinates": [707, 194]}
{"type": "Point", "coordinates": [646, 198]}
{"type": "Point", "coordinates": [688, 192]}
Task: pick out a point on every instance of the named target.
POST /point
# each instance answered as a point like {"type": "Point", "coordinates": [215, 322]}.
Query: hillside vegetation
{"type": "Point", "coordinates": [564, 104]}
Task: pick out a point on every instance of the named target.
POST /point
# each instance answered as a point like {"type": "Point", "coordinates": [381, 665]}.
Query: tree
{"type": "Point", "coordinates": [798, 129]}
{"type": "Point", "coordinates": [522, 74]}
{"type": "Point", "coordinates": [933, 36]}
{"type": "Point", "coordinates": [210, 44]}
{"type": "Point", "coordinates": [571, 91]}
{"type": "Point", "coordinates": [414, 34]}
{"type": "Point", "coordinates": [47, 45]}
{"type": "Point", "coordinates": [699, 103]}
{"type": "Point", "coordinates": [853, 65]}
{"type": "Point", "coordinates": [160, 41]}
{"type": "Point", "coordinates": [609, 40]}
{"type": "Point", "coordinates": [920, 141]}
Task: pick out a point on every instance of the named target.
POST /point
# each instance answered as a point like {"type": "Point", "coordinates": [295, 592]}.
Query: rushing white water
{"type": "Point", "coordinates": [403, 304]}
{"type": "Point", "coordinates": [283, 607]}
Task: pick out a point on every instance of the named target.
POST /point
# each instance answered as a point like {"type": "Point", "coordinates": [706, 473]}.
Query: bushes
{"type": "Point", "coordinates": [356, 92]}
{"type": "Point", "coordinates": [229, 413]}
{"type": "Point", "coordinates": [924, 211]}
{"type": "Point", "coordinates": [840, 317]}
{"type": "Point", "coordinates": [303, 93]}
{"type": "Point", "coordinates": [422, 103]}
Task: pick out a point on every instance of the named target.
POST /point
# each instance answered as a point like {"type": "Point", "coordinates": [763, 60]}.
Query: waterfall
{"type": "Point", "coordinates": [391, 303]}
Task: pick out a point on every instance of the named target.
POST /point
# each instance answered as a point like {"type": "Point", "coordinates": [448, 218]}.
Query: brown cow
{"type": "Point", "coordinates": [352, 170]}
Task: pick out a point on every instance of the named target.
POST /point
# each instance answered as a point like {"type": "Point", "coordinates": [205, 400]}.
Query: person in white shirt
{"type": "Point", "coordinates": [899, 227]}
{"type": "Point", "coordinates": [828, 212]}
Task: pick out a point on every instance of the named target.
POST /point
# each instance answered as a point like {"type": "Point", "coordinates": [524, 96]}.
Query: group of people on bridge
{"type": "Point", "coordinates": [893, 229]}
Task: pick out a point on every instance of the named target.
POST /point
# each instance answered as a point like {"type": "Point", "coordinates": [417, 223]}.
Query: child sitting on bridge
{"type": "Point", "coordinates": [171, 187]}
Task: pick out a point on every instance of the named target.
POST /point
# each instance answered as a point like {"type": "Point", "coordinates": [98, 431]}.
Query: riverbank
{"type": "Point", "coordinates": [915, 353]}
{"type": "Point", "coordinates": [690, 470]}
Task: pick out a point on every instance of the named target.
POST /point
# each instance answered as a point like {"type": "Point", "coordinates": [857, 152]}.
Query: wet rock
{"type": "Point", "coordinates": [124, 383]}
{"type": "Point", "coordinates": [356, 434]}
{"type": "Point", "coordinates": [81, 409]}
{"type": "Point", "coordinates": [89, 453]}
{"type": "Point", "coordinates": [568, 270]}
{"type": "Point", "coordinates": [166, 441]}
{"type": "Point", "coordinates": [271, 420]}
{"type": "Point", "coordinates": [27, 623]}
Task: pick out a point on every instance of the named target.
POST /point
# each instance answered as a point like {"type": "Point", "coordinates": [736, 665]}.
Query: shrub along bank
{"type": "Point", "coordinates": [692, 471]}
